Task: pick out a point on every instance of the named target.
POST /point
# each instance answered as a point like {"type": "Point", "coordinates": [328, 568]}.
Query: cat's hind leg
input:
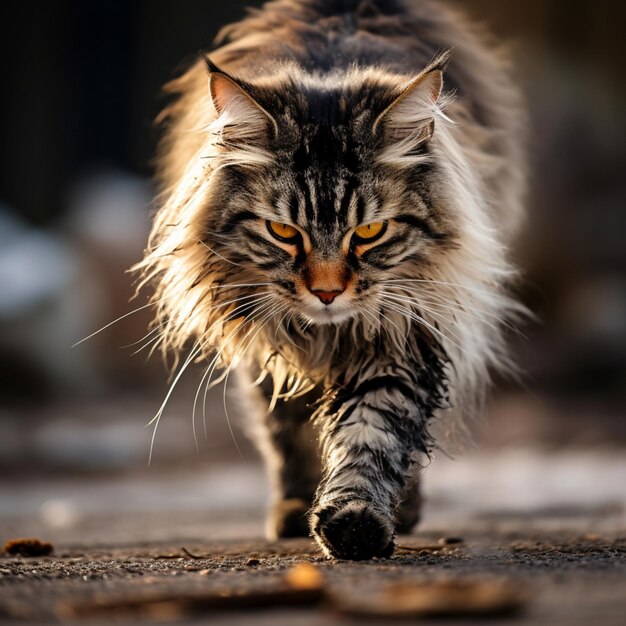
{"type": "Point", "coordinates": [408, 511]}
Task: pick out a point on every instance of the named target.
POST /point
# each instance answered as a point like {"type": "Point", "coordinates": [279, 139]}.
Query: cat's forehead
{"type": "Point", "coordinates": [325, 149]}
{"type": "Point", "coordinates": [334, 105]}
{"type": "Point", "coordinates": [325, 135]}
{"type": "Point", "coordinates": [324, 194]}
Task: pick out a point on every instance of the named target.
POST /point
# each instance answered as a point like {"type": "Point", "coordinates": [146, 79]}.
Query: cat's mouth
{"type": "Point", "coordinates": [334, 313]}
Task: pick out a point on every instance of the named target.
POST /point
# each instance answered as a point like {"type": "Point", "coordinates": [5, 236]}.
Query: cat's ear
{"type": "Point", "coordinates": [410, 116]}
{"type": "Point", "coordinates": [235, 98]}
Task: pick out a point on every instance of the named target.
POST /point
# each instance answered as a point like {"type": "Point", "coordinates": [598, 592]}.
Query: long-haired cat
{"type": "Point", "coordinates": [340, 181]}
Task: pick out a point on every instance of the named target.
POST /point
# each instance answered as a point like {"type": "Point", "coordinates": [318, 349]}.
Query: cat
{"type": "Point", "coordinates": [341, 181]}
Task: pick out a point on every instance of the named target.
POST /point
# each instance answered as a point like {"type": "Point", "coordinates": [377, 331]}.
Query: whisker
{"type": "Point", "coordinates": [267, 312]}
{"type": "Point", "coordinates": [134, 343]}
{"type": "Point", "coordinates": [280, 321]}
{"type": "Point", "coordinates": [160, 301]}
{"type": "Point", "coordinates": [115, 321]}
{"type": "Point", "coordinates": [436, 300]}
{"type": "Point", "coordinates": [216, 360]}
{"type": "Point", "coordinates": [420, 320]}
{"type": "Point", "coordinates": [263, 322]}
{"type": "Point", "coordinates": [427, 305]}
{"type": "Point", "coordinates": [154, 341]}
{"type": "Point", "coordinates": [438, 282]}
{"type": "Point", "coordinates": [373, 314]}
{"type": "Point", "coordinates": [440, 318]}
{"type": "Point", "coordinates": [236, 285]}
{"type": "Point", "coordinates": [439, 315]}
{"type": "Point", "coordinates": [202, 311]}
{"type": "Point", "coordinates": [218, 254]}
{"type": "Point", "coordinates": [157, 418]}
{"type": "Point", "coordinates": [285, 329]}
{"type": "Point", "coordinates": [404, 334]}
{"type": "Point", "coordinates": [208, 369]}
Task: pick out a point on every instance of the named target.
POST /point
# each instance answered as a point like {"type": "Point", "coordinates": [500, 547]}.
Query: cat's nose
{"type": "Point", "coordinates": [327, 297]}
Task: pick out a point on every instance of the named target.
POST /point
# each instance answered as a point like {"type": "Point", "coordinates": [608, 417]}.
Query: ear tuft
{"type": "Point", "coordinates": [440, 62]}
{"type": "Point", "coordinates": [210, 66]}
{"type": "Point", "coordinates": [409, 121]}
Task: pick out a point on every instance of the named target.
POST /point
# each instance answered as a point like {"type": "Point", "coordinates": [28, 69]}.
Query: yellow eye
{"type": "Point", "coordinates": [283, 232]}
{"type": "Point", "coordinates": [369, 232]}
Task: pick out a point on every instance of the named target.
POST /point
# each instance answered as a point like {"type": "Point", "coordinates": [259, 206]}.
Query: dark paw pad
{"type": "Point", "coordinates": [289, 518]}
{"type": "Point", "coordinates": [355, 531]}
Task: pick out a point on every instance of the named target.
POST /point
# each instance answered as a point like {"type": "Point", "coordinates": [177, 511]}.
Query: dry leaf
{"type": "Point", "coordinates": [28, 547]}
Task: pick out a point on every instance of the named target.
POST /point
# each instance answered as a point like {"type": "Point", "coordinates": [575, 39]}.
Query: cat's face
{"type": "Point", "coordinates": [331, 210]}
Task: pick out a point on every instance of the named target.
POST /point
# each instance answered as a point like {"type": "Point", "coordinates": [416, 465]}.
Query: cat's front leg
{"type": "Point", "coordinates": [369, 436]}
{"type": "Point", "coordinates": [288, 444]}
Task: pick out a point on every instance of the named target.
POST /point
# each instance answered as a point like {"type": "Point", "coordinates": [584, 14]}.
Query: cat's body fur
{"type": "Point", "coordinates": [331, 115]}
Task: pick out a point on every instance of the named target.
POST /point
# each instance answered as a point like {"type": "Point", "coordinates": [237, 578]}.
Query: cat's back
{"type": "Point", "coordinates": [324, 36]}
{"type": "Point", "coordinates": [333, 35]}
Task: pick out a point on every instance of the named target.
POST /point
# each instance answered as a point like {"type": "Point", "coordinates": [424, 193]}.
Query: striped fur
{"type": "Point", "coordinates": [327, 115]}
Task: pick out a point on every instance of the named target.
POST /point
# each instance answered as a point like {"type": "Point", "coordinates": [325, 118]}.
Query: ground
{"type": "Point", "coordinates": [178, 548]}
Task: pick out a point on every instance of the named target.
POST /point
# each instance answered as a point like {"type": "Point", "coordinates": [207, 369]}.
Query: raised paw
{"type": "Point", "coordinates": [289, 518]}
{"type": "Point", "coordinates": [353, 530]}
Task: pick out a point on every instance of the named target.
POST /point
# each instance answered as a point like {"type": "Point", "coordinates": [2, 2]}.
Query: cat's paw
{"type": "Point", "coordinates": [289, 518]}
{"type": "Point", "coordinates": [353, 530]}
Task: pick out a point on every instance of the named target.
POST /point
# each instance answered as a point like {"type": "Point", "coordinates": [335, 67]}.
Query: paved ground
{"type": "Point", "coordinates": [565, 579]}
{"type": "Point", "coordinates": [180, 548]}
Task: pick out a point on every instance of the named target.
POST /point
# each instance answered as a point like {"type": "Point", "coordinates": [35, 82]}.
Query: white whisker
{"type": "Point", "coordinates": [134, 343]}
{"type": "Point", "coordinates": [439, 310]}
{"type": "Point", "coordinates": [215, 361]}
{"type": "Point", "coordinates": [208, 369]}
{"type": "Point", "coordinates": [420, 320]}
{"type": "Point", "coordinates": [432, 281]}
{"type": "Point", "coordinates": [431, 299]}
{"type": "Point", "coordinates": [218, 254]}
{"type": "Point", "coordinates": [269, 315]}
{"type": "Point", "coordinates": [156, 419]}
{"type": "Point", "coordinates": [154, 341]}
{"type": "Point", "coordinates": [438, 315]}
{"type": "Point", "coordinates": [115, 321]}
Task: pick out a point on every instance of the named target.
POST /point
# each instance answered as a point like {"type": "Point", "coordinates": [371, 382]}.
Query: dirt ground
{"type": "Point", "coordinates": [140, 550]}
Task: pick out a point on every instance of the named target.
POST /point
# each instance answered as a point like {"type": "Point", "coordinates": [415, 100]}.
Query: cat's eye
{"type": "Point", "coordinates": [283, 232]}
{"type": "Point", "coordinates": [370, 232]}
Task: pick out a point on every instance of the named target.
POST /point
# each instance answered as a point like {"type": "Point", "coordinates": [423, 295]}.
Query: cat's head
{"type": "Point", "coordinates": [324, 187]}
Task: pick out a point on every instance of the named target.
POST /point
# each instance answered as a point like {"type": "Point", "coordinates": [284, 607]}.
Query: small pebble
{"type": "Point", "coordinates": [253, 562]}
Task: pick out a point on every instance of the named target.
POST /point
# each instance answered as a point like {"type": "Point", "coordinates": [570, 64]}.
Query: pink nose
{"type": "Point", "coordinates": [327, 297]}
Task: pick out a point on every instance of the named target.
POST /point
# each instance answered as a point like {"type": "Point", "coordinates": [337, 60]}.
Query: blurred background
{"type": "Point", "coordinates": [81, 88]}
